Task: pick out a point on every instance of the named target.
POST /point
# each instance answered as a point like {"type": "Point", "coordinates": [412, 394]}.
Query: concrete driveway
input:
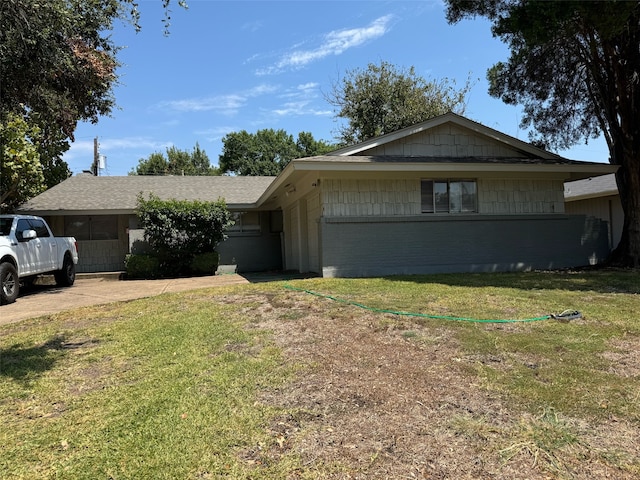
{"type": "Point", "coordinates": [45, 298]}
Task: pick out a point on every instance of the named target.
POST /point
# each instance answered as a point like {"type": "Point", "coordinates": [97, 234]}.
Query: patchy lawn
{"type": "Point", "coordinates": [264, 381]}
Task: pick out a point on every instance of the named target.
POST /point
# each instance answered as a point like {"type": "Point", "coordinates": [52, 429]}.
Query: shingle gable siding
{"type": "Point", "coordinates": [446, 141]}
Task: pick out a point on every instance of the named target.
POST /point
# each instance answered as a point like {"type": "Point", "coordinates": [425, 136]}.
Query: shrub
{"type": "Point", "coordinates": [142, 266]}
{"type": "Point", "coordinates": [205, 263]}
{"type": "Point", "coordinates": [178, 230]}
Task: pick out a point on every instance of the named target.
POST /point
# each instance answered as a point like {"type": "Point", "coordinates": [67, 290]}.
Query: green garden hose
{"type": "Point", "coordinates": [566, 315]}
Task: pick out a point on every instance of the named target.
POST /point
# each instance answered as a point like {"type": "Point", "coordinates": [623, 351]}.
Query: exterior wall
{"type": "Point", "coordinates": [375, 197]}
{"type": "Point", "coordinates": [445, 141]}
{"type": "Point", "coordinates": [255, 251]}
{"type": "Point", "coordinates": [607, 208]}
{"type": "Point", "coordinates": [518, 196]}
{"type": "Point", "coordinates": [314, 211]}
{"type": "Point", "coordinates": [360, 246]}
{"type": "Point", "coordinates": [98, 255]}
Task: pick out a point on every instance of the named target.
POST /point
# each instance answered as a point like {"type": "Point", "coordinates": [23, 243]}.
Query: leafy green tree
{"type": "Point", "coordinates": [178, 230]}
{"type": "Point", "coordinates": [267, 151]}
{"type": "Point", "coordinates": [574, 67]}
{"type": "Point", "coordinates": [58, 67]}
{"type": "Point", "coordinates": [21, 176]}
{"type": "Point", "coordinates": [384, 98]}
{"type": "Point", "coordinates": [176, 162]}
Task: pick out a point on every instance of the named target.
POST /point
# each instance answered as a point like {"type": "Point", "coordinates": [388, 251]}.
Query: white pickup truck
{"type": "Point", "coordinates": [27, 249]}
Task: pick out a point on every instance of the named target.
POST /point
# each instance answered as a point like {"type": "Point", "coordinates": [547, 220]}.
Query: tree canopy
{"type": "Point", "coordinates": [58, 67]}
{"type": "Point", "coordinates": [574, 66]}
{"type": "Point", "coordinates": [384, 98]}
{"type": "Point", "coordinates": [176, 162]}
{"type": "Point", "coordinates": [267, 151]}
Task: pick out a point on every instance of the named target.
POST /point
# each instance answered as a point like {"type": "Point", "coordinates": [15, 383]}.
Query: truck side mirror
{"type": "Point", "coordinates": [28, 235]}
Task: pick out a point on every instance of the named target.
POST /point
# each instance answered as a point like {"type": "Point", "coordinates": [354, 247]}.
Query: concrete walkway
{"type": "Point", "coordinates": [44, 298]}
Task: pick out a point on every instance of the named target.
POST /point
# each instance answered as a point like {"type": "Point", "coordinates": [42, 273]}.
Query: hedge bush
{"type": "Point", "coordinates": [179, 230]}
{"type": "Point", "coordinates": [142, 266]}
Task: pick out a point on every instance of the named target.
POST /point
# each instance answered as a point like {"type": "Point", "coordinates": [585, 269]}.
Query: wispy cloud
{"type": "Point", "coordinates": [333, 43]}
{"type": "Point", "coordinates": [299, 101]}
{"type": "Point", "coordinates": [228, 104]}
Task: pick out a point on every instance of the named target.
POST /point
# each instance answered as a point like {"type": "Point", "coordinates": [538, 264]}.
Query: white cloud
{"type": "Point", "coordinates": [228, 104]}
{"type": "Point", "coordinates": [333, 43]}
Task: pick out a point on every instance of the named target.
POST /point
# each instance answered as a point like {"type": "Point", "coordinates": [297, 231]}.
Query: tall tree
{"type": "Point", "coordinates": [58, 67]}
{"type": "Point", "coordinates": [267, 151]}
{"type": "Point", "coordinates": [384, 98]}
{"type": "Point", "coordinates": [176, 162]}
{"type": "Point", "coordinates": [21, 176]}
{"type": "Point", "coordinates": [575, 67]}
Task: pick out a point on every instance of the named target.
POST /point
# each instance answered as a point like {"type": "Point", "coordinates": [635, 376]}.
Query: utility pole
{"type": "Point", "coordinates": [94, 166]}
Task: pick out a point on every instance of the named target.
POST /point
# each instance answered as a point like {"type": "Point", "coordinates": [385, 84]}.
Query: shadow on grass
{"type": "Point", "coordinates": [24, 363]}
{"type": "Point", "coordinates": [602, 281]}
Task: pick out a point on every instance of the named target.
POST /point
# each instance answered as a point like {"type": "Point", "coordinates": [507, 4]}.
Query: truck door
{"type": "Point", "coordinates": [46, 248]}
{"type": "Point", "coordinates": [26, 249]}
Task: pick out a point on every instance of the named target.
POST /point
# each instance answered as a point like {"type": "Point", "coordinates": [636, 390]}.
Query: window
{"type": "Point", "coordinates": [31, 224]}
{"type": "Point", "coordinates": [85, 227]}
{"type": "Point", "coordinates": [246, 222]}
{"type": "Point", "coordinates": [449, 196]}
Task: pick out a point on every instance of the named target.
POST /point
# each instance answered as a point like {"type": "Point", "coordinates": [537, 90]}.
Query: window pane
{"type": "Point", "coordinates": [469, 197]}
{"type": "Point", "coordinates": [77, 226]}
{"type": "Point", "coordinates": [441, 196]}
{"type": "Point", "coordinates": [104, 227]}
{"type": "Point", "coordinates": [40, 228]}
{"type": "Point", "coordinates": [251, 222]}
{"type": "Point", "coordinates": [426, 196]}
{"type": "Point", "coordinates": [455, 197]}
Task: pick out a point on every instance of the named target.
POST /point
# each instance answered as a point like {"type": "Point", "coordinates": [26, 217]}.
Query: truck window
{"type": "Point", "coordinates": [21, 227]}
{"type": "Point", "coordinates": [40, 228]}
{"type": "Point", "coordinates": [5, 226]}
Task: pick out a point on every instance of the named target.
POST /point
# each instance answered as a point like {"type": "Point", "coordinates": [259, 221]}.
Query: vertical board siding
{"type": "Point", "coordinates": [360, 247]}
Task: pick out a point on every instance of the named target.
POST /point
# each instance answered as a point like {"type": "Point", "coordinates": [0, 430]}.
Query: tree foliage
{"type": "Point", "coordinates": [58, 66]}
{"type": "Point", "coordinates": [575, 68]}
{"type": "Point", "coordinates": [178, 230]}
{"type": "Point", "coordinates": [384, 98]}
{"type": "Point", "coordinates": [267, 151]}
{"type": "Point", "coordinates": [176, 162]}
{"type": "Point", "coordinates": [21, 173]}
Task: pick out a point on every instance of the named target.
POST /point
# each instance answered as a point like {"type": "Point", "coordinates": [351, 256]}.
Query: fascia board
{"type": "Point", "coordinates": [342, 166]}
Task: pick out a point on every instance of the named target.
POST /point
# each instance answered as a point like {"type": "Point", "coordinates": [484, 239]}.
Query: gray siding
{"type": "Point", "coordinates": [253, 252]}
{"type": "Point", "coordinates": [358, 247]}
{"type": "Point", "coordinates": [606, 208]}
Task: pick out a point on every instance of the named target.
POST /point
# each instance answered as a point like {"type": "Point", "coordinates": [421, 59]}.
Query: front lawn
{"type": "Point", "coordinates": [308, 379]}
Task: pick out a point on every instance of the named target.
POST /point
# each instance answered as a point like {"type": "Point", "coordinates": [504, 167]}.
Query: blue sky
{"type": "Point", "coordinates": [248, 65]}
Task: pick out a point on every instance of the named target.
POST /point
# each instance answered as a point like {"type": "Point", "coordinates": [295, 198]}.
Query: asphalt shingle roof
{"type": "Point", "coordinates": [89, 193]}
{"type": "Point", "coordinates": [591, 187]}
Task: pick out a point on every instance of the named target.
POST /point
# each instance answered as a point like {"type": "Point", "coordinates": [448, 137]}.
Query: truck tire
{"type": "Point", "coordinates": [9, 283]}
{"type": "Point", "coordinates": [66, 276]}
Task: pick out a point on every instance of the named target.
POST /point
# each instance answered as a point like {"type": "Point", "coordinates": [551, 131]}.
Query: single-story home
{"type": "Point", "coordinates": [446, 195]}
{"type": "Point", "coordinates": [597, 197]}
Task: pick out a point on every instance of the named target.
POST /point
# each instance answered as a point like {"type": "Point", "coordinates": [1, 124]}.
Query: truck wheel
{"type": "Point", "coordinates": [9, 283]}
{"type": "Point", "coordinates": [66, 276]}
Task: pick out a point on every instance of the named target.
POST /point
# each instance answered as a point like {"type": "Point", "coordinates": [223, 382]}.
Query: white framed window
{"type": "Point", "coordinates": [449, 196]}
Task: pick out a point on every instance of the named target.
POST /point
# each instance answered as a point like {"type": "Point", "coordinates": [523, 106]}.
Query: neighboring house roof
{"type": "Point", "coordinates": [592, 187]}
{"type": "Point", "coordinates": [86, 193]}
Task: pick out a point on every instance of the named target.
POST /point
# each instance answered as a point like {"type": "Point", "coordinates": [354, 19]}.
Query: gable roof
{"type": "Point", "coordinates": [592, 187]}
{"type": "Point", "coordinates": [526, 148]}
{"type": "Point", "coordinates": [84, 194]}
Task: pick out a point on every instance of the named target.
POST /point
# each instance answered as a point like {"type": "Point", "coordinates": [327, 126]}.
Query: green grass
{"type": "Point", "coordinates": [169, 387]}
{"type": "Point", "coordinates": [146, 389]}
